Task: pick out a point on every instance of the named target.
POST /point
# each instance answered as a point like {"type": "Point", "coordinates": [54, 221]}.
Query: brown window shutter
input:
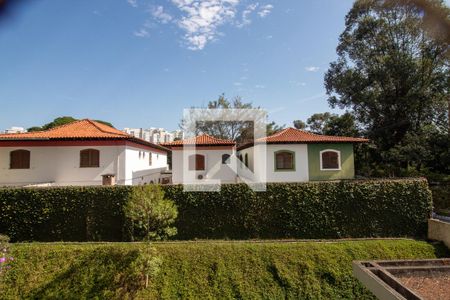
{"type": "Point", "coordinates": [89, 158]}
{"type": "Point", "coordinates": [199, 162]}
{"type": "Point", "coordinates": [284, 161]}
{"type": "Point", "coordinates": [19, 159]}
{"type": "Point", "coordinates": [196, 162]}
{"type": "Point", "coordinates": [330, 160]}
{"type": "Point", "coordinates": [95, 158]}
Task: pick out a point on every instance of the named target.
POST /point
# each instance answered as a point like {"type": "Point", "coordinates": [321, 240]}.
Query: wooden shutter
{"type": "Point", "coordinates": [330, 160]}
{"type": "Point", "coordinates": [284, 160]}
{"type": "Point", "coordinates": [19, 159]}
{"type": "Point", "coordinates": [89, 158]}
{"type": "Point", "coordinates": [197, 162]}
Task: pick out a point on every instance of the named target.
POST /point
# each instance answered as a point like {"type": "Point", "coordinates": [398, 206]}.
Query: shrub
{"type": "Point", "coordinates": [441, 196]}
{"type": "Point", "coordinates": [151, 213]}
{"type": "Point", "coordinates": [353, 208]}
{"type": "Point", "coordinates": [372, 208]}
{"type": "Point", "coordinates": [64, 213]}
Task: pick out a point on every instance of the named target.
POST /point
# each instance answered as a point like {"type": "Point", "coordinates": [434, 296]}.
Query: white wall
{"type": "Point", "coordinates": [214, 169]}
{"type": "Point", "coordinates": [138, 170]}
{"type": "Point", "coordinates": [61, 166]}
{"type": "Point", "coordinates": [268, 169]}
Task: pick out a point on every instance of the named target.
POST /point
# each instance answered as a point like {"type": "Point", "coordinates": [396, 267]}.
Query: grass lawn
{"type": "Point", "coordinates": [201, 270]}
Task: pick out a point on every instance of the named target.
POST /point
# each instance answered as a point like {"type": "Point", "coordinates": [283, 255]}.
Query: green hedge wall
{"type": "Point", "coordinates": [385, 208]}
{"type": "Point", "coordinates": [375, 208]}
{"type": "Point", "coordinates": [64, 214]}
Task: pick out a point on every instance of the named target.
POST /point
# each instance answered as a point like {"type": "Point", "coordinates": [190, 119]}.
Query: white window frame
{"type": "Point", "coordinates": [339, 160]}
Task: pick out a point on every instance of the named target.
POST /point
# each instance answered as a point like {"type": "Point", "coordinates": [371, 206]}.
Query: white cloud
{"type": "Point", "coordinates": [142, 33]}
{"type": "Point", "coordinates": [162, 16]}
{"type": "Point", "coordinates": [297, 83]}
{"type": "Point", "coordinates": [312, 69]}
{"type": "Point", "coordinates": [314, 97]}
{"type": "Point", "coordinates": [237, 83]}
{"type": "Point", "coordinates": [265, 10]}
{"type": "Point", "coordinates": [260, 86]}
{"type": "Point", "coordinates": [246, 13]}
{"type": "Point", "coordinates": [132, 3]}
{"type": "Point", "coordinates": [201, 19]}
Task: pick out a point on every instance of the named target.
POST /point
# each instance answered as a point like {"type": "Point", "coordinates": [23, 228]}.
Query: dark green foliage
{"type": "Point", "coordinates": [201, 270]}
{"type": "Point", "coordinates": [392, 75]}
{"type": "Point", "coordinates": [441, 196]}
{"type": "Point", "coordinates": [305, 210]}
{"type": "Point", "coordinates": [299, 210]}
{"type": "Point", "coordinates": [63, 214]}
{"type": "Point", "coordinates": [151, 213]}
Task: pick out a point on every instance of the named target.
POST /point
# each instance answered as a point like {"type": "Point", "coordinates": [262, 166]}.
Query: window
{"type": "Point", "coordinates": [226, 159]}
{"type": "Point", "coordinates": [330, 160]}
{"type": "Point", "coordinates": [89, 158]}
{"type": "Point", "coordinates": [197, 162]}
{"type": "Point", "coordinates": [150, 159]}
{"type": "Point", "coordinates": [246, 160]}
{"type": "Point", "coordinates": [19, 159]}
{"type": "Point", "coordinates": [284, 160]}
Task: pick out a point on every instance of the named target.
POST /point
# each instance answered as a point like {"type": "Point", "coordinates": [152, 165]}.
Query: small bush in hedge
{"type": "Point", "coordinates": [371, 208]}
{"type": "Point", "coordinates": [151, 213]}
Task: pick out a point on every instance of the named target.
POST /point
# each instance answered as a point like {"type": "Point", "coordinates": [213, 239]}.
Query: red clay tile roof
{"type": "Point", "coordinates": [79, 130]}
{"type": "Point", "coordinates": [296, 136]}
{"type": "Point", "coordinates": [201, 140]}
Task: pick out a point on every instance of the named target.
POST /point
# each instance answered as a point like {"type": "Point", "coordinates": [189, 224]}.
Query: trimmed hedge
{"type": "Point", "coordinates": [201, 270]}
{"type": "Point", "coordinates": [64, 214]}
{"type": "Point", "coordinates": [386, 208]}
{"type": "Point", "coordinates": [374, 208]}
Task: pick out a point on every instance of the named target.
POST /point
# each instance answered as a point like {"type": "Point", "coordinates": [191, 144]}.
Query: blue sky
{"type": "Point", "coordinates": [139, 63]}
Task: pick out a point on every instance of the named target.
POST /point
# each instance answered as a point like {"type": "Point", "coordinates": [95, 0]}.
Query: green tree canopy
{"type": "Point", "coordinates": [239, 131]}
{"type": "Point", "coordinates": [390, 72]}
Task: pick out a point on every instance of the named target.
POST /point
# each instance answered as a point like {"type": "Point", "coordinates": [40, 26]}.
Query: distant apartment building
{"type": "Point", "coordinates": [14, 129]}
{"type": "Point", "coordinates": [155, 135]}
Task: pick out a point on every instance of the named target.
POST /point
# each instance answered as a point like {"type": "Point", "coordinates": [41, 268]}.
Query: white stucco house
{"type": "Point", "coordinates": [203, 159]}
{"type": "Point", "coordinates": [84, 152]}
{"type": "Point", "coordinates": [294, 155]}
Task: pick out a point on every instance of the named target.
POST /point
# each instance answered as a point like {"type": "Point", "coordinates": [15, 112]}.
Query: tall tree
{"type": "Point", "coordinates": [239, 131]}
{"type": "Point", "coordinates": [390, 72]}
{"type": "Point", "coordinates": [333, 124]}
{"type": "Point", "coordinates": [299, 124]}
{"type": "Point", "coordinates": [318, 123]}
